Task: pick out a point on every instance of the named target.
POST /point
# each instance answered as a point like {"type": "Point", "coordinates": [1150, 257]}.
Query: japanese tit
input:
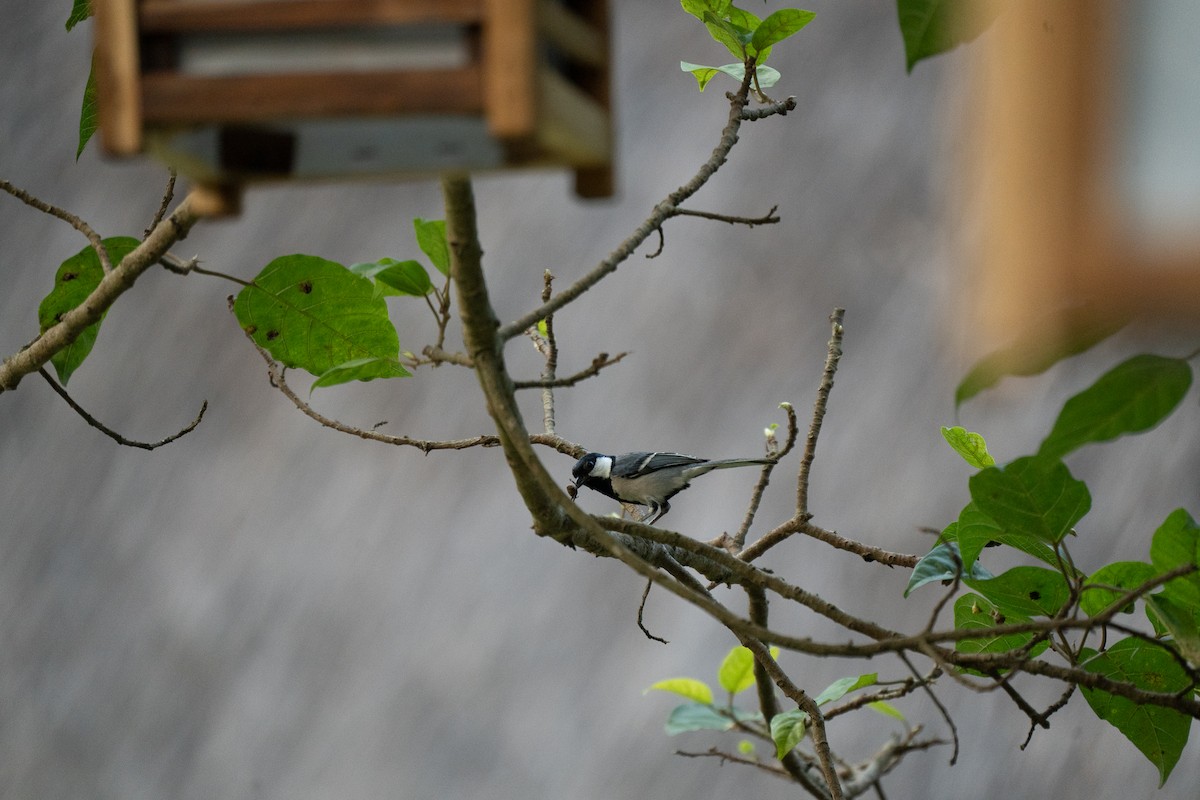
{"type": "Point", "coordinates": [648, 479]}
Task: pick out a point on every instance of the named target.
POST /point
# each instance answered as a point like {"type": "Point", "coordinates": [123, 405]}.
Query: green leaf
{"type": "Point", "coordinates": [80, 10]}
{"type": "Point", "coordinates": [778, 26]}
{"type": "Point", "coordinates": [316, 315]}
{"type": "Point", "coordinates": [1160, 733]}
{"type": "Point", "coordinates": [843, 686]}
{"type": "Point", "coordinates": [431, 238]}
{"type": "Point", "coordinates": [696, 717]}
{"type": "Point", "coordinates": [787, 730]}
{"type": "Point", "coordinates": [1033, 496]}
{"type": "Point", "coordinates": [734, 37]}
{"type": "Point", "coordinates": [396, 277]}
{"type": "Point", "coordinates": [1175, 544]}
{"type": "Point", "coordinates": [690, 688]}
{"type": "Point", "coordinates": [698, 8]}
{"type": "Point", "coordinates": [973, 612]}
{"type": "Point", "coordinates": [1183, 623]}
{"type": "Point", "coordinates": [1034, 352]}
{"type": "Point", "coordinates": [1027, 591]}
{"type": "Point", "coordinates": [76, 279]}
{"type": "Point", "coordinates": [970, 445]}
{"type": "Point", "coordinates": [736, 673]}
{"type": "Point", "coordinates": [699, 717]}
{"type": "Point", "coordinates": [931, 27]}
{"type": "Point", "coordinates": [942, 563]}
{"type": "Point", "coordinates": [976, 530]}
{"type": "Point", "coordinates": [701, 73]}
{"type": "Point", "coordinates": [887, 709]}
{"type": "Point", "coordinates": [360, 369]}
{"type": "Point", "coordinates": [88, 119]}
{"type": "Point", "coordinates": [1125, 575]}
{"type": "Point", "coordinates": [1132, 397]}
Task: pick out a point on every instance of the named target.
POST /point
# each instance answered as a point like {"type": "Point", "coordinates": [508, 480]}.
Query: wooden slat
{"type": "Point", "coordinates": [164, 16]}
{"type": "Point", "coordinates": [598, 181]}
{"type": "Point", "coordinates": [172, 99]}
{"type": "Point", "coordinates": [572, 126]}
{"type": "Point", "coordinates": [117, 69]}
{"type": "Point", "coordinates": [574, 36]}
{"type": "Point", "coordinates": [509, 58]}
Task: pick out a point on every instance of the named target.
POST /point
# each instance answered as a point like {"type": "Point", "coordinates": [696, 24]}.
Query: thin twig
{"type": "Point", "coordinates": [781, 108]}
{"type": "Point", "coordinates": [598, 363]}
{"type": "Point", "coordinates": [730, 757]}
{"type": "Point", "coordinates": [766, 219]}
{"type": "Point", "coordinates": [832, 357]}
{"type": "Point", "coordinates": [738, 540]}
{"type": "Point", "coordinates": [168, 195]}
{"type": "Point", "coordinates": [66, 216]}
{"type": "Point", "coordinates": [925, 685]}
{"type": "Point", "coordinates": [109, 432]}
{"type": "Point", "coordinates": [655, 220]}
{"type": "Point", "coordinates": [641, 611]}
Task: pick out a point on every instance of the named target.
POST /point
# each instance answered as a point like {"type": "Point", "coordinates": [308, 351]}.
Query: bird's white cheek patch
{"type": "Point", "coordinates": [603, 468]}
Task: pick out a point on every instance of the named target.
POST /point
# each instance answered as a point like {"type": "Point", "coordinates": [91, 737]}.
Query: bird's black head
{"type": "Point", "coordinates": [583, 468]}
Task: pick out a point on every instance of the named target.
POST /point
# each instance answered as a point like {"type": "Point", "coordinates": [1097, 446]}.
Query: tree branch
{"type": "Point", "coordinates": [112, 286]}
{"type": "Point", "coordinates": [67, 217]}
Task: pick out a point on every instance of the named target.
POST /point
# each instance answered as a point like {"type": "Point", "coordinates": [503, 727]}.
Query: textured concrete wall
{"type": "Point", "coordinates": [271, 609]}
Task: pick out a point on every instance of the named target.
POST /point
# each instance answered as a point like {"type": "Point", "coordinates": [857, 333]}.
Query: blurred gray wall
{"type": "Point", "coordinates": [270, 609]}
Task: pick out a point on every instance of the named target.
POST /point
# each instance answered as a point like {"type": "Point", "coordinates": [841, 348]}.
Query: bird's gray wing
{"type": "Point", "coordinates": [640, 463]}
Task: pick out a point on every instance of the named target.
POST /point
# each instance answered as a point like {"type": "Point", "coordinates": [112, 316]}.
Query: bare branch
{"type": "Point", "coordinates": [832, 357]}
{"type": "Point", "coordinates": [657, 216]}
{"type": "Point", "coordinates": [67, 217]}
{"type": "Point", "coordinates": [168, 194]}
{"type": "Point", "coordinates": [781, 108]}
{"type": "Point", "coordinates": [109, 432]}
{"type": "Point", "coordinates": [598, 363]}
{"type": "Point", "coordinates": [766, 219]}
{"type": "Point", "coordinates": [641, 611]}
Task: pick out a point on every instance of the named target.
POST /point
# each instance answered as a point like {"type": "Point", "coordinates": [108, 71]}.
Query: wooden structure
{"type": "Point", "coordinates": [239, 91]}
{"type": "Point", "coordinates": [1050, 167]}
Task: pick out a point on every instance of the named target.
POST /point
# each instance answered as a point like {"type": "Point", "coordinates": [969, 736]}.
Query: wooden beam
{"type": "Point", "coordinates": [509, 62]}
{"type": "Point", "coordinates": [117, 67]}
{"type": "Point", "coordinates": [172, 99]}
{"type": "Point", "coordinates": [175, 16]}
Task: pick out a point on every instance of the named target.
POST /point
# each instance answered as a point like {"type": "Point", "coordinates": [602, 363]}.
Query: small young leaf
{"type": "Point", "coordinates": [767, 77]}
{"type": "Point", "coordinates": [317, 315]}
{"type": "Point", "coordinates": [431, 238]}
{"type": "Point", "coordinates": [701, 73]}
{"type": "Point", "coordinates": [931, 27]}
{"type": "Point", "coordinates": [698, 8]}
{"type": "Point", "coordinates": [80, 10]}
{"type": "Point", "coordinates": [1033, 496]}
{"type": "Point", "coordinates": [843, 686]}
{"type": "Point", "coordinates": [394, 277]}
{"type": "Point", "coordinates": [746, 747]}
{"type": "Point", "coordinates": [696, 717]}
{"type": "Point", "coordinates": [970, 445]}
{"type": "Point", "coordinates": [88, 119]}
{"type": "Point", "coordinates": [1182, 622]}
{"type": "Point", "coordinates": [734, 37]}
{"type": "Point", "coordinates": [787, 730]}
{"type": "Point", "coordinates": [778, 26]}
{"type": "Point", "coordinates": [75, 280]}
{"type": "Point", "coordinates": [1160, 733]}
{"type": "Point", "coordinates": [736, 673]}
{"type": "Point", "coordinates": [1132, 397]}
{"type": "Point", "coordinates": [942, 563]}
{"type": "Point", "coordinates": [1028, 591]}
{"type": "Point", "coordinates": [887, 709]}
{"type": "Point", "coordinates": [690, 688]}
{"type": "Point", "coordinates": [1124, 575]}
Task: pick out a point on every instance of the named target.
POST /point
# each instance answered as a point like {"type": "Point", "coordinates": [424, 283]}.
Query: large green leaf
{"type": "Point", "coordinates": [1160, 733]}
{"type": "Point", "coordinates": [734, 37]}
{"type": "Point", "coordinates": [787, 730]}
{"type": "Point", "coordinates": [1035, 352]}
{"type": "Point", "coordinates": [767, 77]}
{"type": "Point", "coordinates": [75, 280]}
{"type": "Point", "coordinates": [318, 316]}
{"type": "Point", "coordinates": [1175, 544]}
{"type": "Point", "coordinates": [1123, 576]}
{"type": "Point", "coordinates": [972, 612]}
{"type": "Point", "coordinates": [778, 26]}
{"type": "Point", "coordinates": [1034, 496]}
{"type": "Point", "coordinates": [1027, 591]}
{"type": "Point", "coordinates": [930, 27]}
{"type": "Point", "coordinates": [701, 717]}
{"type": "Point", "coordinates": [394, 277]}
{"type": "Point", "coordinates": [1133, 396]}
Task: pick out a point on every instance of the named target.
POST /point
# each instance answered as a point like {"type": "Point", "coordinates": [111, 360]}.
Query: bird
{"type": "Point", "coordinates": [648, 479]}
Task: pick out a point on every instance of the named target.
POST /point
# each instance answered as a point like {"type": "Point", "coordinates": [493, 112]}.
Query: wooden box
{"type": "Point", "coordinates": [239, 91]}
